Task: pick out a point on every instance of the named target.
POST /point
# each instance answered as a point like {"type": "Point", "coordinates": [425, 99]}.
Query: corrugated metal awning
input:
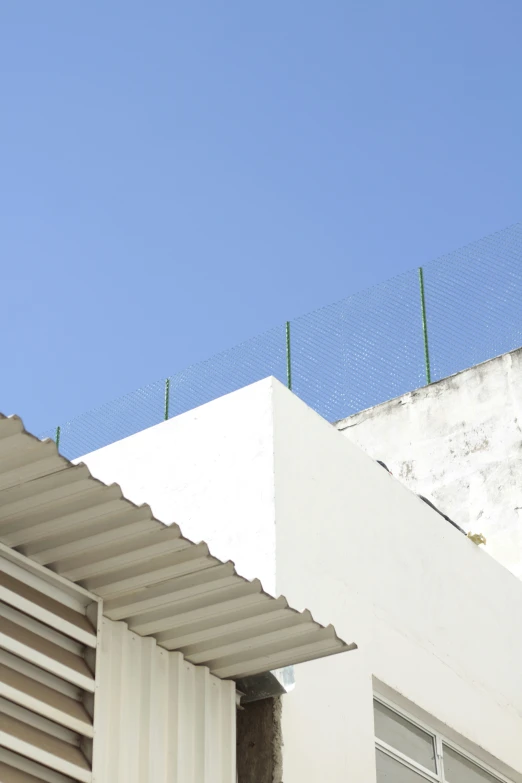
{"type": "Point", "coordinates": [148, 575]}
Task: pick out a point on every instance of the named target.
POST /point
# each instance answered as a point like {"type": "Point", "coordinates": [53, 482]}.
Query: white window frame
{"type": "Point", "coordinates": [439, 740]}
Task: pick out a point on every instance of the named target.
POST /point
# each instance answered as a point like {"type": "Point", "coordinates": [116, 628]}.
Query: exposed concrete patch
{"type": "Point", "coordinates": [259, 742]}
{"type": "Point", "coordinates": [277, 741]}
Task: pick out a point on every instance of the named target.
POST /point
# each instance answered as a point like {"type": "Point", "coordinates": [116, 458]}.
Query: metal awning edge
{"type": "Point", "coordinates": [192, 611]}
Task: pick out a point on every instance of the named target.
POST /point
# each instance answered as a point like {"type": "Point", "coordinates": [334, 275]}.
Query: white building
{"type": "Point", "coordinates": [436, 619]}
{"type": "Point", "coordinates": [433, 690]}
{"type": "Point", "coordinates": [121, 641]}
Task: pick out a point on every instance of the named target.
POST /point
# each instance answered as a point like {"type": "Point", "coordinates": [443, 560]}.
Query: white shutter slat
{"type": "Point", "coordinates": [48, 649]}
{"type": "Point", "coordinates": [20, 641]}
{"type": "Point", "coordinates": [44, 748]}
{"type": "Point", "coordinates": [46, 701]}
{"type": "Point", "coordinates": [46, 609]}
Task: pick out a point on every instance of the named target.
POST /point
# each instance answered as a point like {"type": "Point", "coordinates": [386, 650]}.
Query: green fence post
{"type": "Point", "coordinates": [167, 398]}
{"type": "Point", "coordinates": [424, 326]}
{"type": "Point", "coordinates": [57, 437]}
{"type": "Point", "coordinates": [288, 358]}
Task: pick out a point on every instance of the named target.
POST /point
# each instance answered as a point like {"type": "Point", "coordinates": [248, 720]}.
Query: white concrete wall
{"type": "Point", "coordinates": [158, 718]}
{"type": "Point", "coordinates": [210, 470]}
{"type": "Point", "coordinates": [459, 443]}
{"type": "Point", "coordinates": [435, 617]}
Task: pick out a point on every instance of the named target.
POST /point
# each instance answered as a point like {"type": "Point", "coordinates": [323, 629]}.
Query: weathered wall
{"type": "Point", "coordinates": [259, 742]}
{"type": "Point", "coordinates": [459, 443]}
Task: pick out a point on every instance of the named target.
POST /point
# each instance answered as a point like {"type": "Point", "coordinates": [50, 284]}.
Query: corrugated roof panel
{"type": "Point", "coordinates": [149, 575]}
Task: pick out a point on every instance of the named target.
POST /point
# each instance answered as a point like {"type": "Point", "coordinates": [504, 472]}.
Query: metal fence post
{"type": "Point", "coordinates": [167, 399]}
{"type": "Point", "coordinates": [424, 326]}
{"type": "Point", "coordinates": [288, 358]}
{"type": "Point", "coordinates": [57, 437]}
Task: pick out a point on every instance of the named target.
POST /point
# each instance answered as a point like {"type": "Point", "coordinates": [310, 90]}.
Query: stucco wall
{"type": "Point", "coordinates": [459, 443]}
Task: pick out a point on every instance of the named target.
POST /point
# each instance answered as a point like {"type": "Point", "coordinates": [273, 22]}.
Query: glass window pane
{"type": "Point", "coordinates": [392, 771]}
{"type": "Point", "coordinates": [459, 769]}
{"type": "Point", "coordinates": [404, 736]}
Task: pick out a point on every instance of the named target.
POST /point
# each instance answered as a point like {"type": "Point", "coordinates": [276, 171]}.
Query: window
{"type": "Point", "coordinates": [407, 752]}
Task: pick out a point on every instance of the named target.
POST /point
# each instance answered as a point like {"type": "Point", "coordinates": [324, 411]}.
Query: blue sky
{"type": "Point", "coordinates": [176, 178]}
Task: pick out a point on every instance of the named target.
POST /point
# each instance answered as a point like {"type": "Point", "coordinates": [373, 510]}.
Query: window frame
{"type": "Point", "coordinates": [439, 739]}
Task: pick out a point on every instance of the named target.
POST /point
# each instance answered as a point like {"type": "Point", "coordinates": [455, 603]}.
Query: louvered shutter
{"type": "Point", "coordinates": [47, 679]}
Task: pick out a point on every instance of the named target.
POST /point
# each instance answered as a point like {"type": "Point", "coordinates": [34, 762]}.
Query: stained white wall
{"type": "Point", "coordinates": [458, 442]}
{"type": "Point", "coordinates": [159, 718]}
{"type": "Point", "coordinates": [435, 617]}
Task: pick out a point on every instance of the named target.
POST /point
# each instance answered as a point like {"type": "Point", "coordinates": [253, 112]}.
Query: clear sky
{"type": "Point", "coordinates": [178, 177]}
